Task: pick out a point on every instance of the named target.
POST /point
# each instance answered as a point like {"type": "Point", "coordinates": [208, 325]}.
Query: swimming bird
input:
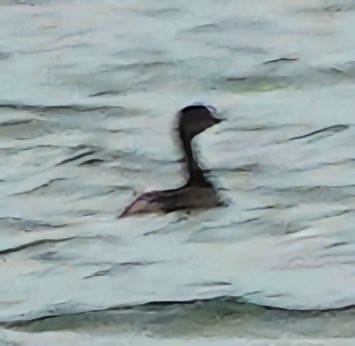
{"type": "Point", "coordinates": [198, 192]}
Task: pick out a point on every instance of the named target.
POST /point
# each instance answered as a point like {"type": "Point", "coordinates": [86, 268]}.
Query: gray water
{"type": "Point", "coordinates": [88, 93]}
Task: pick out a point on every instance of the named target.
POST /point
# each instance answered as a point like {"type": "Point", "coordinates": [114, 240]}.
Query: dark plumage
{"type": "Point", "coordinates": [198, 191]}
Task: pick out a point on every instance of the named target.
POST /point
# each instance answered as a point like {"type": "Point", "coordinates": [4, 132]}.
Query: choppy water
{"type": "Point", "coordinates": [87, 96]}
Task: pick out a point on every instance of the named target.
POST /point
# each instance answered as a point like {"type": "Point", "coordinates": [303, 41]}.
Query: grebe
{"type": "Point", "coordinates": [198, 192]}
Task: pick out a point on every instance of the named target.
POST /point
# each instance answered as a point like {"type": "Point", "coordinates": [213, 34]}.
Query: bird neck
{"type": "Point", "coordinates": [196, 176]}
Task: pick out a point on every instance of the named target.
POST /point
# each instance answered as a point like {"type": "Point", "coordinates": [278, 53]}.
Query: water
{"type": "Point", "coordinates": [88, 94]}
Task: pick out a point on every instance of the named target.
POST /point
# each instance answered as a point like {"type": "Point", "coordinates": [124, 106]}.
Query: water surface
{"type": "Point", "coordinates": [88, 94]}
